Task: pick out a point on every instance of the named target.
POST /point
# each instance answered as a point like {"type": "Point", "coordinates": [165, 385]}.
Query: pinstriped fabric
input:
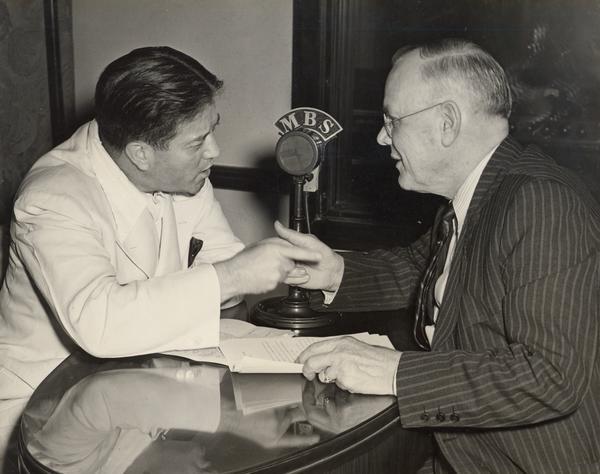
{"type": "Point", "coordinates": [515, 352]}
{"type": "Point", "coordinates": [388, 279]}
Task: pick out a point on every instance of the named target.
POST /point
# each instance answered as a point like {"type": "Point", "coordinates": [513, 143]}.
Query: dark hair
{"type": "Point", "coordinates": [466, 62]}
{"type": "Point", "coordinates": [146, 94]}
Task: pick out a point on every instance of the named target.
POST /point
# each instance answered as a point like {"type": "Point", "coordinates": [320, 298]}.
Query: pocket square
{"type": "Point", "coordinates": [195, 247]}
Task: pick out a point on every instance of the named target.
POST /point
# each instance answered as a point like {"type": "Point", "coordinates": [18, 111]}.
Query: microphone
{"type": "Point", "coordinates": [304, 133]}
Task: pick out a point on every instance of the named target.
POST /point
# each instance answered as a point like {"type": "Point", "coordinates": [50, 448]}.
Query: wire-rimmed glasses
{"type": "Point", "coordinates": [389, 121]}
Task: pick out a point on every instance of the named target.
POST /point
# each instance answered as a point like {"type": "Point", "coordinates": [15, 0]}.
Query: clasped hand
{"type": "Point", "coordinates": [293, 258]}
{"type": "Point", "coordinates": [261, 266]}
{"type": "Point", "coordinates": [322, 274]}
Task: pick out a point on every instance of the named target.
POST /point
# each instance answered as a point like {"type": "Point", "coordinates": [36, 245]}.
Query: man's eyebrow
{"type": "Point", "coordinates": [212, 128]}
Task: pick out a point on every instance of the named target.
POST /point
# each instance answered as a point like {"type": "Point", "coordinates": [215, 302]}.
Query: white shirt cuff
{"type": "Point", "coordinates": [329, 296]}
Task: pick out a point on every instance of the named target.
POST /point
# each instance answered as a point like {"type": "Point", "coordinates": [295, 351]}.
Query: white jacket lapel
{"type": "Point", "coordinates": [135, 231]}
{"type": "Point", "coordinates": [140, 248]}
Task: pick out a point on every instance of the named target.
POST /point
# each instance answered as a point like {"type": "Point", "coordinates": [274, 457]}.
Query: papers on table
{"type": "Point", "coordinates": [210, 354]}
{"type": "Point", "coordinates": [275, 354]}
{"type": "Point", "coordinates": [230, 329]}
{"type": "Point", "coordinates": [278, 354]}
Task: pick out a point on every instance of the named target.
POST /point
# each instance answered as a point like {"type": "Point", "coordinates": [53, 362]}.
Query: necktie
{"type": "Point", "coordinates": [169, 260]}
{"type": "Point", "coordinates": [443, 229]}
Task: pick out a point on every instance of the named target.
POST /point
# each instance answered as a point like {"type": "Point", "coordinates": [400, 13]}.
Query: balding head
{"type": "Point", "coordinates": [456, 65]}
{"type": "Point", "coordinates": [445, 108]}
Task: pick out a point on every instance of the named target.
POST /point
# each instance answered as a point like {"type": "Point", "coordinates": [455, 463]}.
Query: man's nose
{"type": "Point", "coordinates": [212, 149]}
{"type": "Point", "coordinates": [383, 138]}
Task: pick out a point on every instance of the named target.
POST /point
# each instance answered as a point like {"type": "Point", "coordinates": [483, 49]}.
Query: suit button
{"type": "Point", "coordinates": [425, 416]}
{"type": "Point", "coordinates": [440, 416]}
{"type": "Point", "coordinates": [454, 417]}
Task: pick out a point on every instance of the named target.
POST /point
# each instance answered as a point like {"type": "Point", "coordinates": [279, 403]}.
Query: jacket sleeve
{"type": "Point", "coordinates": [381, 280]}
{"type": "Point", "coordinates": [547, 244]}
{"type": "Point", "coordinates": [212, 228]}
{"type": "Point", "coordinates": [64, 253]}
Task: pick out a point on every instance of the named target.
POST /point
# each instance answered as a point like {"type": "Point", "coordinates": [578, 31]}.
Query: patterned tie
{"type": "Point", "coordinates": [443, 229]}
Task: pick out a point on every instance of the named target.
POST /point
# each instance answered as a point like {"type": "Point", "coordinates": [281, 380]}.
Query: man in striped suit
{"type": "Point", "coordinates": [509, 380]}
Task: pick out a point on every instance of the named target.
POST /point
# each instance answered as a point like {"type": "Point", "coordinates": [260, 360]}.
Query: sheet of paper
{"type": "Point", "coordinates": [254, 365]}
{"type": "Point", "coordinates": [269, 355]}
{"type": "Point", "coordinates": [209, 354]}
{"type": "Point", "coordinates": [229, 329]}
{"type": "Point", "coordinates": [265, 354]}
{"type": "Point", "coordinates": [236, 328]}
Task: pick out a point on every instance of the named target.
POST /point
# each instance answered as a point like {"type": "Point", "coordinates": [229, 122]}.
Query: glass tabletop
{"type": "Point", "coordinates": [165, 414]}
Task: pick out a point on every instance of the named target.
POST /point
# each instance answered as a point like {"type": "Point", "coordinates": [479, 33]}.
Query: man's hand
{"type": "Point", "coordinates": [324, 274]}
{"type": "Point", "coordinates": [353, 365]}
{"type": "Point", "coordinates": [261, 266]}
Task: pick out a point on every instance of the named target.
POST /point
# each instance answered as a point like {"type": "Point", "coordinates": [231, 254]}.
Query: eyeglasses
{"type": "Point", "coordinates": [389, 121]}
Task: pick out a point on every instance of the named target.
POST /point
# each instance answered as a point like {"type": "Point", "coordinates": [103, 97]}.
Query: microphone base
{"type": "Point", "coordinates": [296, 315]}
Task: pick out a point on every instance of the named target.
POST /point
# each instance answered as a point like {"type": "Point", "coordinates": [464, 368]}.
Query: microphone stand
{"type": "Point", "coordinates": [293, 311]}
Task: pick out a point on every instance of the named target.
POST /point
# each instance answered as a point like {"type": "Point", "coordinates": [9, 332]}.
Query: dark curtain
{"type": "Point", "coordinates": [36, 87]}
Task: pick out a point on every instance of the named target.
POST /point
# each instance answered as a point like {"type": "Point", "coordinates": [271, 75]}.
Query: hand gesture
{"type": "Point", "coordinates": [261, 266]}
{"type": "Point", "coordinates": [353, 365]}
{"type": "Point", "coordinates": [323, 274]}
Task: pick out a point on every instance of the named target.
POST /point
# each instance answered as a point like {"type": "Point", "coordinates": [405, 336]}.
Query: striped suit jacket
{"type": "Point", "coordinates": [512, 383]}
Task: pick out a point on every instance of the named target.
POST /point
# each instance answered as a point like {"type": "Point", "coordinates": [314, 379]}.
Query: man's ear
{"type": "Point", "coordinates": [140, 154]}
{"type": "Point", "coordinates": [450, 125]}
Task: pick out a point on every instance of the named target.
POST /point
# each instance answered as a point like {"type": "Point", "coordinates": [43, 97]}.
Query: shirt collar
{"type": "Point", "coordinates": [464, 195]}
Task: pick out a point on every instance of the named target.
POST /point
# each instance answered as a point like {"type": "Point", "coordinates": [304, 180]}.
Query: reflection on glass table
{"type": "Point", "coordinates": [168, 415]}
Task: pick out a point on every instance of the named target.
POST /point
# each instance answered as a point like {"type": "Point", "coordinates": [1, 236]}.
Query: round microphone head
{"type": "Point", "coordinates": [297, 153]}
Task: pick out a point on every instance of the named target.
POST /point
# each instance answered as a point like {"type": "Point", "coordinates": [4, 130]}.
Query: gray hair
{"type": "Point", "coordinates": [462, 61]}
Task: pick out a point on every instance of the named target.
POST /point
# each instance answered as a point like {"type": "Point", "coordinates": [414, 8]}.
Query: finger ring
{"type": "Point", "coordinates": [324, 378]}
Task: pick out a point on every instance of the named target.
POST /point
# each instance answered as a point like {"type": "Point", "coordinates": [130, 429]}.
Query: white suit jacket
{"type": "Point", "coordinates": [81, 269]}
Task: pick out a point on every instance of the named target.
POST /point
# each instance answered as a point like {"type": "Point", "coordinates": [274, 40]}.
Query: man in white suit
{"type": "Point", "coordinates": [100, 238]}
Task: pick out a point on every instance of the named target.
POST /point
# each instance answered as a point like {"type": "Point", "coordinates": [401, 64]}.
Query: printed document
{"type": "Point", "coordinates": [274, 354]}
